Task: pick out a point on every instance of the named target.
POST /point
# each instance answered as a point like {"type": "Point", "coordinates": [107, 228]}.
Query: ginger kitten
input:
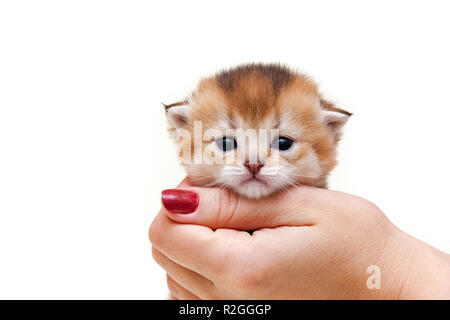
{"type": "Point", "coordinates": [256, 129]}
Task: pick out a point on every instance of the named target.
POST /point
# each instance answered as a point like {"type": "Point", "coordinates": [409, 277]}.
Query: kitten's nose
{"type": "Point", "coordinates": [254, 167]}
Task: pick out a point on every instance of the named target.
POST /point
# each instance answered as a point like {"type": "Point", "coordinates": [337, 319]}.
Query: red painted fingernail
{"type": "Point", "coordinates": [179, 201]}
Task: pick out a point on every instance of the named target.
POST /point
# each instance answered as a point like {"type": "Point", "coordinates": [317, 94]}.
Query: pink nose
{"type": "Point", "coordinates": [254, 167]}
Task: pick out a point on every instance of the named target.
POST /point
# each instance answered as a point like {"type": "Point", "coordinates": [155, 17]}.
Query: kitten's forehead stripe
{"type": "Point", "coordinates": [278, 75]}
{"type": "Point", "coordinates": [251, 91]}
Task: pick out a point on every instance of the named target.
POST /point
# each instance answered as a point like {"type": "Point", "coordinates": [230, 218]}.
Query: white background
{"type": "Point", "coordinates": [84, 153]}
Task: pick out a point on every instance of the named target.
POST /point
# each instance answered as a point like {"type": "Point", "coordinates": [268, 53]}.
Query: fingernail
{"type": "Point", "coordinates": [179, 201]}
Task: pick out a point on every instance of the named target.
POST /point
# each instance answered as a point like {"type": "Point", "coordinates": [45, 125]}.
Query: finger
{"type": "Point", "coordinates": [178, 292]}
{"type": "Point", "coordinates": [188, 279]}
{"type": "Point", "coordinates": [197, 248]}
{"type": "Point", "coordinates": [221, 208]}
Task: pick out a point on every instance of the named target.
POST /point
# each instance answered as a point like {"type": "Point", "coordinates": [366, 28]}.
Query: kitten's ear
{"type": "Point", "coordinates": [178, 113]}
{"type": "Point", "coordinates": [334, 118]}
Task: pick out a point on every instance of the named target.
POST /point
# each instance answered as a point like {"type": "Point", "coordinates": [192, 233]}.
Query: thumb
{"type": "Point", "coordinates": [221, 208]}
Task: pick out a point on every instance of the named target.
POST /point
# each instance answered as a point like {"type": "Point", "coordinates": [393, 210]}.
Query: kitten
{"type": "Point", "coordinates": [301, 130]}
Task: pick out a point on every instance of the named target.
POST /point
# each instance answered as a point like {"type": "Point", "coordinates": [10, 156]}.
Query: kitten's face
{"type": "Point", "coordinates": [256, 130]}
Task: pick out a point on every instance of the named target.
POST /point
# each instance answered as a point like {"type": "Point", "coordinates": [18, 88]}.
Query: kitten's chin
{"type": "Point", "coordinates": [254, 189]}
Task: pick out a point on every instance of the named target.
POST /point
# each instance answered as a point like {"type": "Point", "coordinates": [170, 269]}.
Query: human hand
{"type": "Point", "coordinates": [308, 243]}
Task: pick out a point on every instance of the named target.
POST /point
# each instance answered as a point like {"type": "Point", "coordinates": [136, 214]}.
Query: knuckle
{"type": "Point", "coordinates": [246, 280]}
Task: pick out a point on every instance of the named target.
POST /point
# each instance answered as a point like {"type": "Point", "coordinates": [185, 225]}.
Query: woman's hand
{"type": "Point", "coordinates": [308, 243]}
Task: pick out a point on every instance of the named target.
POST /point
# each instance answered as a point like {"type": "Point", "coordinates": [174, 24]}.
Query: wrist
{"type": "Point", "coordinates": [429, 276]}
{"type": "Point", "coordinates": [413, 269]}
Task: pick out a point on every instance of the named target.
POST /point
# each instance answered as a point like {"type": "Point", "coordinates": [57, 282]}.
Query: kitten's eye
{"type": "Point", "coordinates": [226, 143]}
{"type": "Point", "coordinates": [282, 143]}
